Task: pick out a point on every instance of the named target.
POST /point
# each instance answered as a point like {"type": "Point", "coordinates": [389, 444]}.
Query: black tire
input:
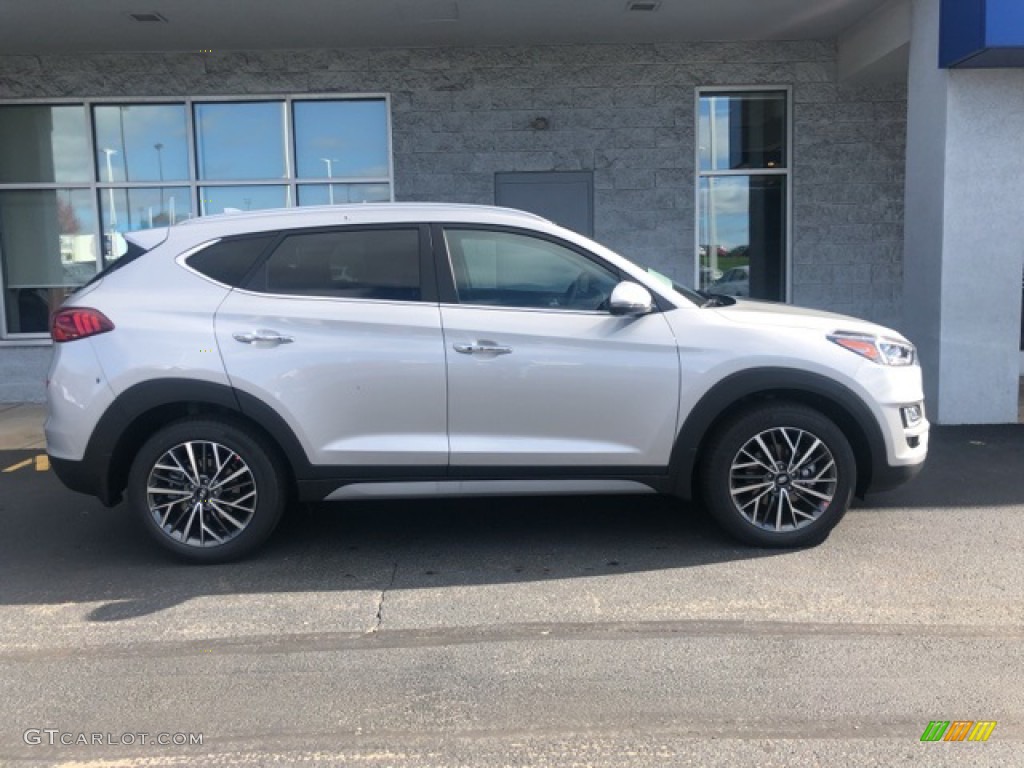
{"type": "Point", "coordinates": [768, 482]}
{"type": "Point", "coordinates": [233, 509]}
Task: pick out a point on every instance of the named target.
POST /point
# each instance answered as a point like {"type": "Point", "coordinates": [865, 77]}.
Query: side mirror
{"type": "Point", "coordinates": [631, 299]}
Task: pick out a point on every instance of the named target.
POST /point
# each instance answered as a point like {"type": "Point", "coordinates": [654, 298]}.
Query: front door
{"type": "Point", "coordinates": [540, 374]}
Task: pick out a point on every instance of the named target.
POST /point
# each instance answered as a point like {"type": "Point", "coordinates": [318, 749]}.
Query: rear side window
{"type": "Point", "coordinates": [381, 264]}
{"type": "Point", "coordinates": [229, 261]}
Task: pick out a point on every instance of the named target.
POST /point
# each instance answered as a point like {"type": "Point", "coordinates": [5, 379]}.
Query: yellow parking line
{"type": "Point", "coordinates": [41, 462]}
{"type": "Point", "coordinates": [19, 465]}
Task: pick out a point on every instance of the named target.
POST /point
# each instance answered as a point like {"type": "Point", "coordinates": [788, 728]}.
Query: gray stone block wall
{"type": "Point", "coordinates": [23, 373]}
{"type": "Point", "coordinates": [625, 112]}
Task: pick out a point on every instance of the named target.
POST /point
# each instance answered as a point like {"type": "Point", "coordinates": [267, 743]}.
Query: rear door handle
{"type": "Point", "coordinates": [262, 337]}
{"type": "Point", "coordinates": [483, 348]}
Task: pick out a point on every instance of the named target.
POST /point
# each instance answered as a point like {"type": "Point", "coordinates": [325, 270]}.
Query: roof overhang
{"type": "Point", "coordinates": [59, 26]}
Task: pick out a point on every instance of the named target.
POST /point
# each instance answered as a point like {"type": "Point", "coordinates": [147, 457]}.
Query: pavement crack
{"type": "Point", "coordinates": [379, 618]}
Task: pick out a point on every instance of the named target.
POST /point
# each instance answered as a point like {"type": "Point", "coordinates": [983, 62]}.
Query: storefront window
{"type": "Point", "coordinates": [249, 197]}
{"type": "Point", "coordinates": [48, 245]}
{"type": "Point", "coordinates": [141, 142]}
{"type": "Point", "coordinates": [743, 193]}
{"type": "Point", "coordinates": [339, 194]}
{"type": "Point", "coordinates": [128, 209]}
{"type": "Point", "coordinates": [65, 207]}
{"type": "Point", "coordinates": [341, 139]}
{"type": "Point", "coordinates": [241, 140]}
{"type": "Point", "coordinates": [40, 144]}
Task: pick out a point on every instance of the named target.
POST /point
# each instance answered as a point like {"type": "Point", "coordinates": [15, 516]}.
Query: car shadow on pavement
{"type": "Point", "coordinates": [63, 548]}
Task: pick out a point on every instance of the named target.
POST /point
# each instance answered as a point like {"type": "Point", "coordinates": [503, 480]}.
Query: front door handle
{"type": "Point", "coordinates": [263, 338]}
{"type": "Point", "coordinates": [483, 347]}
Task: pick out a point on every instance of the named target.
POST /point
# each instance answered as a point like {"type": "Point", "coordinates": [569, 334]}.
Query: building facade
{"type": "Point", "coordinates": [775, 167]}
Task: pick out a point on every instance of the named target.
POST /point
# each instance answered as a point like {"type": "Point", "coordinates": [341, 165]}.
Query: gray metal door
{"type": "Point", "coordinates": [564, 197]}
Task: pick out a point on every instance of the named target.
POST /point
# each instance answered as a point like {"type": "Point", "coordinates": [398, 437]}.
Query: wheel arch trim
{"type": "Point", "coordinates": [858, 422]}
{"type": "Point", "coordinates": [119, 426]}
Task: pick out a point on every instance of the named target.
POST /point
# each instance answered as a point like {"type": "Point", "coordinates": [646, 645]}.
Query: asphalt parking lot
{"type": "Point", "coordinates": [574, 631]}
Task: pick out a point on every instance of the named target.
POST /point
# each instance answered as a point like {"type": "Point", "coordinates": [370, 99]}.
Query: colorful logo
{"type": "Point", "coordinates": [958, 730]}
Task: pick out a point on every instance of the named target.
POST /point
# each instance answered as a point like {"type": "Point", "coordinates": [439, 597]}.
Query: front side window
{"type": "Point", "coordinates": [743, 190]}
{"type": "Point", "coordinates": [381, 264]}
{"type": "Point", "coordinates": [512, 270]}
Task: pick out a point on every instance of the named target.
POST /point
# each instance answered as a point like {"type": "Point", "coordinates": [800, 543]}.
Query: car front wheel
{"type": "Point", "coordinates": [208, 491]}
{"type": "Point", "coordinates": [779, 475]}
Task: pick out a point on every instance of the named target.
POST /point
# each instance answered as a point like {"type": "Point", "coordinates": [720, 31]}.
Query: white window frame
{"type": "Point", "coordinates": [787, 172]}
{"type": "Point", "coordinates": [193, 182]}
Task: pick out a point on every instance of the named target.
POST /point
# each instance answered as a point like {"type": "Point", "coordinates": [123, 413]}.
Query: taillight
{"type": "Point", "coordinates": [73, 323]}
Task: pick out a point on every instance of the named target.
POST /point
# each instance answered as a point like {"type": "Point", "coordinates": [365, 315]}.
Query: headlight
{"type": "Point", "coordinates": [878, 349]}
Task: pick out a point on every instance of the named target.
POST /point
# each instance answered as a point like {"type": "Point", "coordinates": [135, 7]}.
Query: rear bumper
{"type": "Point", "coordinates": [87, 477]}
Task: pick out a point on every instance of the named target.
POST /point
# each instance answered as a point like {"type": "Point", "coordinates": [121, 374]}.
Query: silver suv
{"type": "Point", "coordinates": [225, 366]}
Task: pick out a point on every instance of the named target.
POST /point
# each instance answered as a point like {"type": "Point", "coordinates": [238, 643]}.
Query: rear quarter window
{"type": "Point", "coordinates": [230, 260]}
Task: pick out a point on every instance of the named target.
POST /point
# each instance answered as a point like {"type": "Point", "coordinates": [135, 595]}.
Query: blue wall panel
{"type": "Point", "coordinates": [981, 33]}
{"type": "Point", "coordinates": [1004, 23]}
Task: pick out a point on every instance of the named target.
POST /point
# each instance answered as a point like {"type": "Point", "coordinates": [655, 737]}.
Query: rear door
{"type": "Point", "coordinates": [339, 331]}
{"type": "Point", "coordinates": [540, 374]}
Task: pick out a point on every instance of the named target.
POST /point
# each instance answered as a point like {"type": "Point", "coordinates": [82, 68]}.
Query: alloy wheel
{"type": "Point", "coordinates": [201, 493]}
{"type": "Point", "coordinates": [783, 479]}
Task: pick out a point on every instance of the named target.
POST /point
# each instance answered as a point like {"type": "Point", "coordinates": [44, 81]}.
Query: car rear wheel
{"type": "Point", "coordinates": [779, 475]}
{"type": "Point", "coordinates": [207, 490]}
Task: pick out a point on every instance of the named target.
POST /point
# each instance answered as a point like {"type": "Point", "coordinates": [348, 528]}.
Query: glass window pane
{"type": "Point", "coordinates": [250, 197]}
{"type": "Point", "coordinates": [43, 144]}
{"type": "Point", "coordinates": [504, 269]}
{"type": "Point", "coordinates": [141, 142]}
{"type": "Point", "coordinates": [743, 236]}
{"type": "Point", "coordinates": [742, 130]}
{"type": "Point", "coordinates": [341, 139]}
{"type": "Point", "coordinates": [243, 140]}
{"type": "Point", "coordinates": [230, 260]}
{"type": "Point", "coordinates": [47, 246]}
{"type": "Point", "coordinates": [380, 264]}
{"type": "Point", "coordinates": [337, 194]}
{"type": "Point", "coordinates": [127, 210]}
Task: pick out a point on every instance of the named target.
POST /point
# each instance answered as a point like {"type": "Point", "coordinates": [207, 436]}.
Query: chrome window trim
{"type": "Point", "coordinates": [545, 309]}
{"type": "Point", "coordinates": [317, 297]}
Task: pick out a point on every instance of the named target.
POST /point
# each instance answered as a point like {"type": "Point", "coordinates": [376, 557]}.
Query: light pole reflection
{"type": "Point", "coordinates": [330, 175]}
{"type": "Point", "coordinates": [160, 169]}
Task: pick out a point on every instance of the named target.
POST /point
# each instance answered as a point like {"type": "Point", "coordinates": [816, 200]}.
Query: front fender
{"type": "Point", "coordinates": [842, 405]}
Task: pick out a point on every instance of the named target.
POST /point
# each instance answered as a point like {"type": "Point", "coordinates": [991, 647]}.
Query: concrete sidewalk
{"type": "Point", "coordinates": [21, 426]}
